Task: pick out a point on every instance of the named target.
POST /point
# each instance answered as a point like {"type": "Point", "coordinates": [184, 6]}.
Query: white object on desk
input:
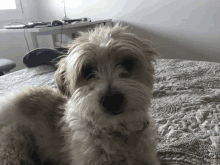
{"type": "Point", "coordinates": [32, 33]}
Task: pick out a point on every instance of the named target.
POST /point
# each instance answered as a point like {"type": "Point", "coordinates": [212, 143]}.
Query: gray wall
{"type": "Point", "coordinates": [179, 29]}
{"type": "Point", "coordinates": [13, 46]}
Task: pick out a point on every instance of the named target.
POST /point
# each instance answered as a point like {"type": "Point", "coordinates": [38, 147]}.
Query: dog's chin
{"type": "Point", "coordinates": [125, 124]}
{"type": "Point", "coordinates": [99, 121]}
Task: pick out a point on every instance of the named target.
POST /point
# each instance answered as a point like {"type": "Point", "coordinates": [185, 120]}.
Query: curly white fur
{"type": "Point", "coordinates": [92, 135]}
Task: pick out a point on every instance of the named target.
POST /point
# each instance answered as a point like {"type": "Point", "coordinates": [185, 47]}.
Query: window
{"type": "Point", "coordinates": [10, 10]}
{"type": "Point", "coordinates": [6, 5]}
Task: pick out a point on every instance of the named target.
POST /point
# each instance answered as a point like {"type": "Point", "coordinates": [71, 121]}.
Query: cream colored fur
{"type": "Point", "coordinates": [100, 114]}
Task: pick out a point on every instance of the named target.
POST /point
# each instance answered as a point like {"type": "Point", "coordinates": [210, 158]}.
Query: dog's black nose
{"type": "Point", "coordinates": [113, 102]}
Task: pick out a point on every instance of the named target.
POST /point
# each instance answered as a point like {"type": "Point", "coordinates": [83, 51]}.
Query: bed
{"type": "Point", "coordinates": [186, 107]}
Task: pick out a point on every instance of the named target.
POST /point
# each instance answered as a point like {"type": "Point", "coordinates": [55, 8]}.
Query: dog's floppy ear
{"type": "Point", "coordinates": [60, 78]}
{"type": "Point", "coordinates": [124, 34]}
{"type": "Point", "coordinates": [151, 54]}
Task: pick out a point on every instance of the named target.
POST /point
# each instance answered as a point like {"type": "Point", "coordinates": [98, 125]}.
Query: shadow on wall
{"type": "Point", "coordinates": [174, 45]}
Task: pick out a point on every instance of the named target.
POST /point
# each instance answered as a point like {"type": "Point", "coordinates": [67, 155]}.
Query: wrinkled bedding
{"type": "Point", "coordinates": [186, 107]}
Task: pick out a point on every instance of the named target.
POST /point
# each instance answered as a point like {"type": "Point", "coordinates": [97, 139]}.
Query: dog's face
{"type": "Point", "coordinates": [108, 78]}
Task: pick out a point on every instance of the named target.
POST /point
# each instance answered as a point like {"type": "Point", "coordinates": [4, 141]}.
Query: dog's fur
{"type": "Point", "coordinates": [100, 114]}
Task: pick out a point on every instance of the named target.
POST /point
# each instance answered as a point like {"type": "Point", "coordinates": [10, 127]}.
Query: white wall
{"type": "Point", "coordinates": [13, 46]}
{"type": "Point", "coordinates": [180, 29]}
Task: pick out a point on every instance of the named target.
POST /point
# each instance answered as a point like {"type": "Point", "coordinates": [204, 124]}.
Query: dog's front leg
{"type": "Point", "coordinates": [17, 145]}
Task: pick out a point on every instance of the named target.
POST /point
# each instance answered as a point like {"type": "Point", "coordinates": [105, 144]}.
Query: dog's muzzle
{"type": "Point", "coordinates": [114, 102]}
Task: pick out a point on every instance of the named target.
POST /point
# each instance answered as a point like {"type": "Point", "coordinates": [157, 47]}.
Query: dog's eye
{"type": "Point", "coordinates": [88, 72]}
{"type": "Point", "coordinates": [128, 64]}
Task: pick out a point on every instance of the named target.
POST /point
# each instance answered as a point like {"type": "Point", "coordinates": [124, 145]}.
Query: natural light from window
{"type": "Point", "coordinates": [7, 4]}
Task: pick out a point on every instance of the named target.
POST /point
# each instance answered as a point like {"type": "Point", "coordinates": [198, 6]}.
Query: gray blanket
{"type": "Point", "coordinates": [186, 107]}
